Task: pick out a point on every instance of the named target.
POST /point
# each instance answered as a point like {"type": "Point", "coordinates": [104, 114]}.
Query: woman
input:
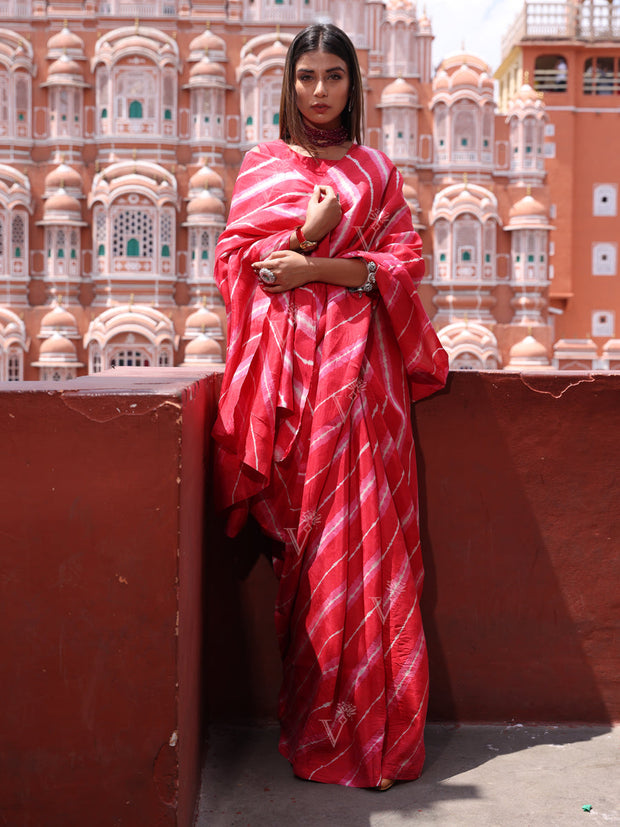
{"type": "Point", "coordinates": [328, 344]}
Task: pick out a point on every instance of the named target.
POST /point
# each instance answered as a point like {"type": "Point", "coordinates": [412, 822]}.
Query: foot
{"type": "Point", "coordinates": [385, 784]}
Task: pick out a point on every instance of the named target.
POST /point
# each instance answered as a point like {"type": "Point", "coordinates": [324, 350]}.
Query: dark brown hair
{"type": "Point", "coordinates": [323, 37]}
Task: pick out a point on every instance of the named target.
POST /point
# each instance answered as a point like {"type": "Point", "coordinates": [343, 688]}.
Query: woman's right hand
{"type": "Point", "coordinates": [323, 214]}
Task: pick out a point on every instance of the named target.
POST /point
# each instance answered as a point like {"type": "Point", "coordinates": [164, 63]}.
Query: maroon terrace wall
{"type": "Point", "coordinates": [101, 521]}
{"type": "Point", "coordinates": [102, 534]}
{"type": "Point", "coordinates": [521, 540]}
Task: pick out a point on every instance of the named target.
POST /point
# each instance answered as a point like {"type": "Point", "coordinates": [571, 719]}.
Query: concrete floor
{"type": "Point", "coordinates": [474, 775]}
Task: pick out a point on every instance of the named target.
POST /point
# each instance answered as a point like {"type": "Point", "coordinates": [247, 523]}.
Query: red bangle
{"type": "Point", "coordinates": [304, 245]}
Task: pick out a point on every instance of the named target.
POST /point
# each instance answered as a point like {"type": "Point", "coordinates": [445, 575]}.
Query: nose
{"type": "Point", "coordinates": [319, 89]}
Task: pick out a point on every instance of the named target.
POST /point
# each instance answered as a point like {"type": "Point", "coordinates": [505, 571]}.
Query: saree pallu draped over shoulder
{"type": "Point", "coordinates": [314, 438]}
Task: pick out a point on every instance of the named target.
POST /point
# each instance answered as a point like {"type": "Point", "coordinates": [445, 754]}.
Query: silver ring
{"type": "Point", "coordinates": [266, 275]}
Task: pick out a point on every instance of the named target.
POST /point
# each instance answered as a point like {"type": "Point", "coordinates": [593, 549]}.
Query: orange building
{"type": "Point", "coordinates": [123, 126]}
{"type": "Point", "coordinates": [571, 53]}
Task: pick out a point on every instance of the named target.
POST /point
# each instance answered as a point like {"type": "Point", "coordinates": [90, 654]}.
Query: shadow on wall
{"type": "Point", "coordinates": [520, 536]}
{"type": "Point", "coordinates": [242, 661]}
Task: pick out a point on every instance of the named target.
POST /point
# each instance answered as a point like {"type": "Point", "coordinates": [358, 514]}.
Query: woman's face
{"type": "Point", "coordinates": [322, 88]}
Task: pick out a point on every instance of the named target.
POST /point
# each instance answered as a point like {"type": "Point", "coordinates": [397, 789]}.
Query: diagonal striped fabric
{"type": "Point", "coordinates": [314, 437]}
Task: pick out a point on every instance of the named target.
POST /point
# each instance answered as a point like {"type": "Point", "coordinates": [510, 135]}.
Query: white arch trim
{"type": "Point", "coordinates": [138, 319]}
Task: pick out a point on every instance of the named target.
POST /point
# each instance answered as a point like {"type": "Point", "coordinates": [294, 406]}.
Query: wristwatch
{"type": "Point", "coordinates": [304, 245]}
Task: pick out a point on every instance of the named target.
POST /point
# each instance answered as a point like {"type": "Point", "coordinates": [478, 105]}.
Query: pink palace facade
{"type": "Point", "coordinates": [122, 128]}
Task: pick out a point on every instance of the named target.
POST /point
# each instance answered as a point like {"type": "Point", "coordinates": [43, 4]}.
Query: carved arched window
{"type": "Point", "coordinates": [4, 102]}
{"type": "Point", "coordinates": [465, 131]}
{"type": "Point", "coordinates": [466, 233]}
{"type": "Point", "coordinates": [269, 90]}
{"type": "Point", "coordinates": [441, 132]}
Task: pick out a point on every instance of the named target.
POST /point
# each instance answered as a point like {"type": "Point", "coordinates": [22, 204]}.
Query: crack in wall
{"type": "Point", "coordinates": [549, 379]}
{"type": "Point", "coordinates": [99, 408]}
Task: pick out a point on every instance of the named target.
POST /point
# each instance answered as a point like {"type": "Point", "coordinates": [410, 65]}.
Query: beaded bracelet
{"type": "Point", "coordinates": [370, 284]}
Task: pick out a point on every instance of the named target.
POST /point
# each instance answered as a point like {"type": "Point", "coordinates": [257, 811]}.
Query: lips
{"type": "Point", "coordinates": [319, 107]}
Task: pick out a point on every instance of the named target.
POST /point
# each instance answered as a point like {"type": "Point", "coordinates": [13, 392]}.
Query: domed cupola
{"type": "Point", "coordinates": [206, 178]}
{"type": "Point", "coordinates": [59, 320]}
{"type": "Point", "coordinates": [205, 208]}
{"type": "Point", "coordinates": [203, 330]}
{"type": "Point", "coordinates": [528, 354]}
{"type": "Point", "coordinates": [62, 208]}
{"type": "Point", "coordinates": [441, 81]}
{"type": "Point", "coordinates": [399, 93]}
{"type": "Point", "coordinates": [464, 76]}
{"type": "Point", "coordinates": [207, 43]}
{"type": "Point", "coordinates": [65, 72]}
{"type": "Point", "coordinates": [67, 43]}
{"type": "Point", "coordinates": [63, 177]}
{"type": "Point", "coordinates": [203, 320]}
{"type": "Point", "coordinates": [58, 354]}
{"type": "Point", "coordinates": [528, 213]}
{"type": "Point", "coordinates": [424, 24]}
{"type": "Point", "coordinates": [202, 351]}
{"type": "Point", "coordinates": [206, 73]}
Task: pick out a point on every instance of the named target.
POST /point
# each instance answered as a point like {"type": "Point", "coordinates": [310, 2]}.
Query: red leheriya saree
{"type": "Point", "coordinates": [314, 438]}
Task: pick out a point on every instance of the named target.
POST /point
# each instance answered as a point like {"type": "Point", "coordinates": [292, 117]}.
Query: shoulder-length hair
{"type": "Point", "coordinates": [323, 37]}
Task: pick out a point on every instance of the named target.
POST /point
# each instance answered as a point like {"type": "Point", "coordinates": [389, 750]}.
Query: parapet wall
{"type": "Point", "coordinates": [521, 541]}
{"type": "Point", "coordinates": [101, 548]}
{"type": "Point", "coordinates": [103, 533]}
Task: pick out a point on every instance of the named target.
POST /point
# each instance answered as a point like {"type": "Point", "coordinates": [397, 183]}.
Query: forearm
{"type": "Point", "coordinates": [343, 272]}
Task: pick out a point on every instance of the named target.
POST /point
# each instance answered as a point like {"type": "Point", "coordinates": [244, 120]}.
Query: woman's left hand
{"type": "Point", "coordinates": [290, 269]}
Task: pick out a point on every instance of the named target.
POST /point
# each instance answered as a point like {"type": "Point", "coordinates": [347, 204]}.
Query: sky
{"type": "Point", "coordinates": [479, 25]}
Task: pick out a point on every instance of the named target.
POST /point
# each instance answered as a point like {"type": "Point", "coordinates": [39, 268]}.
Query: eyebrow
{"type": "Point", "coordinates": [311, 71]}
